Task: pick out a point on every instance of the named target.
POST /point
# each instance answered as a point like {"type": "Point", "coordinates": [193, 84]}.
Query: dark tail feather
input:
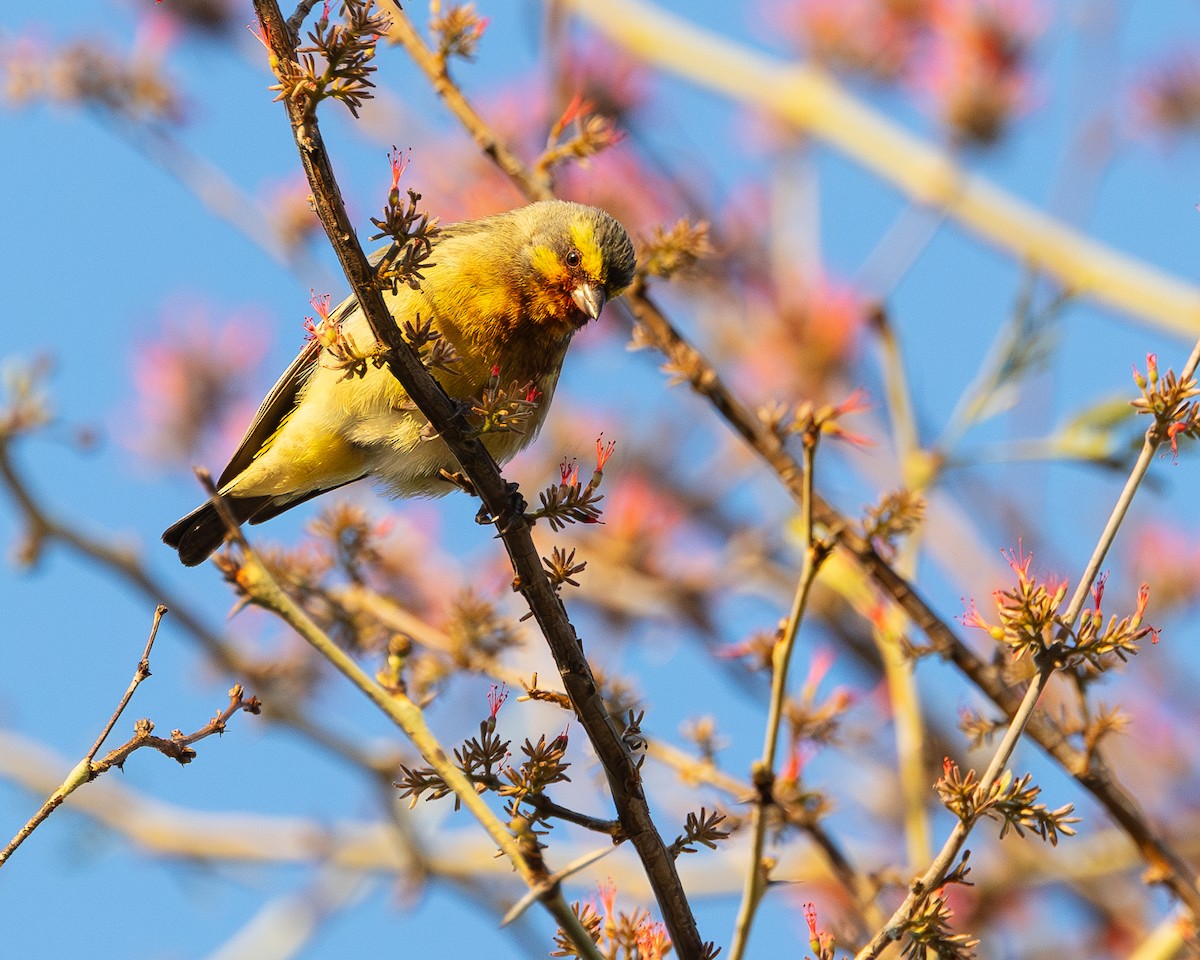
{"type": "Point", "coordinates": [202, 531]}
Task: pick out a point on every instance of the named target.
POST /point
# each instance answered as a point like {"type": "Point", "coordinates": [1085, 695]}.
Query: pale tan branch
{"type": "Point", "coordinates": [813, 102]}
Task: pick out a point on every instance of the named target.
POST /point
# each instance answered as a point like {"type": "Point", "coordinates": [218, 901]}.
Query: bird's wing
{"type": "Point", "coordinates": [274, 410]}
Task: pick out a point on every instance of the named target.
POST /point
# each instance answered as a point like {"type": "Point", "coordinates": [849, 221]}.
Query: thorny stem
{"type": "Point", "coordinates": [933, 877]}
{"type": "Point", "coordinates": [450, 423]}
{"type": "Point", "coordinates": [781, 656]}
{"type": "Point", "coordinates": [263, 590]}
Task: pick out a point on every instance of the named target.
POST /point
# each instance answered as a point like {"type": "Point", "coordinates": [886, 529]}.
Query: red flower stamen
{"type": "Point", "coordinates": [603, 451]}
{"type": "Point", "coordinates": [496, 697]}
{"type": "Point", "coordinates": [320, 303]}
{"type": "Point", "coordinates": [1019, 560]}
{"type": "Point", "coordinates": [399, 160]}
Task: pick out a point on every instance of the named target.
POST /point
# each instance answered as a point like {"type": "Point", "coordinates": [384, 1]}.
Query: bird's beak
{"type": "Point", "coordinates": [589, 299]}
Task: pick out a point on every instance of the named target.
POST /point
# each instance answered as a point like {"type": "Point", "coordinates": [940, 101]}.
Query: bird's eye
{"type": "Point", "coordinates": [574, 258]}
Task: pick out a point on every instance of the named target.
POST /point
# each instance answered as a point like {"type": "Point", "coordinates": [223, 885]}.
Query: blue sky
{"type": "Point", "coordinates": [102, 248]}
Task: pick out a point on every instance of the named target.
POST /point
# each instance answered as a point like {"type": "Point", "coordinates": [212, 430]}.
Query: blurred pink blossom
{"type": "Point", "coordinates": [194, 384]}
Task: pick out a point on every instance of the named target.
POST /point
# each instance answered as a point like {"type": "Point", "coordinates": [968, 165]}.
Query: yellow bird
{"type": "Point", "coordinates": [507, 293]}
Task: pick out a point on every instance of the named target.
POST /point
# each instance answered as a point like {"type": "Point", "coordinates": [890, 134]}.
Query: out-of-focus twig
{"type": "Point", "coordinates": [401, 30]}
{"type": "Point", "coordinates": [815, 552]}
{"type": "Point", "coordinates": [284, 927]}
{"type": "Point", "coordinates": [888, 634]}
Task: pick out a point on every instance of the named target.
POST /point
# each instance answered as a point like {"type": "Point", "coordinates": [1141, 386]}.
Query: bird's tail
{"type": "Point", "coordinates": [202, 531]}
{"type": "Point", "coordinates": [198, 534]}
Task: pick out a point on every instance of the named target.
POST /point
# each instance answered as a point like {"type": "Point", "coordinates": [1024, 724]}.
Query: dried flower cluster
{"type": "Point", "coordinates": [344, 68]}
{"type": "Point", "coordinates": [435, 351]}
{"type": "Point", "coordinates": [1169, 400]}
{"type": "Point", "coordinates": [24, 400]}
{"type": "Point", "coordinates": [672, 251]}
{"type": "Point", "coordinates": [591, 133]}
{"type": "Point", "coordinates": [501, 410]}
{"type": "Point", "coordinates": [1009, 800]}
{"type": "Point", "coordinates": [898, 514]}
{"type": "Point", "coordinates": [929, 933]}
{"type": "Point", "coordinates": [1031, 622]}
{"type": "Point", "coordinates": [620, 935]}
{"type": "Point", "coordinates": [485, 761]}
{"type": "Point", "coordinates": [88, 74]}
{"type": "Point", "coordinates": [457, 31]}
{"type": "Point", "coordinates": [569, 501]}
{"type": "Point", "coordinates": [340, 351]}
{"type": "Point", "coordinates": [411, 230]}
{"type": "Point", "coordinates": [1169, 96]}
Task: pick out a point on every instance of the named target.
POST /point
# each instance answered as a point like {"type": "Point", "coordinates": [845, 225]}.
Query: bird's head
{"type": "Point", "coordinates": [577, 258]}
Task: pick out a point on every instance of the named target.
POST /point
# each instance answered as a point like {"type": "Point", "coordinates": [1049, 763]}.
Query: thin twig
{"type": "Point", "coordinates": [815, 553]}
{"type": "Point", "coordinates": [572, 868]}
{"type": "Point", "coordinates": [897, 667]}
{"type": "Point", "coordinates": [139, 674]}
{"type": "Point", "coordinates": [1149, 447]}
{"type": "Point", "coordinates": [83, 771]}
{"type": "Point", "coordinates": [44, 526]}
{"type": "Point", "coordinates": [178, 747]}
{"type": "Point", "coordinates": [403, 32]}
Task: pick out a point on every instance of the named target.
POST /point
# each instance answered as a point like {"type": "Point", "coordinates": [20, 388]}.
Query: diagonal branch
{"type": "Point", "coordinates": [1089, 771]}
{"type": "Point", "coordinates": [1175, 300]}
{"type": "Point", "coordinates": [403, 362]}
{"type": "Point", "coordinates": [261, 588]}
{"type": "Point", "coordinates": [177, 747]}
{"type": "Point", "coordinates": [935, 875]}
{"type": "Point", "coordinates": [43, 526]}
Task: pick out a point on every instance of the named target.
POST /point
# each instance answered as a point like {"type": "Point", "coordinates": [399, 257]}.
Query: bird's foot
{"type": "Point", "coordinates": [512, 511]}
